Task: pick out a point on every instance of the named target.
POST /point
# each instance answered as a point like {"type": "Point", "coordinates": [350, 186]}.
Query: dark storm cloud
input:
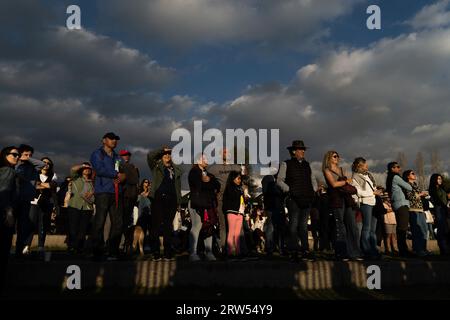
{"type": "Point", "coordinates": [189, 22]}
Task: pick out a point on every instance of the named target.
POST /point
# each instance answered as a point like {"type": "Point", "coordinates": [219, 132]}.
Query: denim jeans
{"type": "Point", "coordinates": [195, 233]}
{"type": "Point", "coordinates": [347, 235]}
{"type": "Point", "coordinates": [368, 236]}
{"type": "Point", "coordinates": [419, 230]}
{"type": "Point", "coordinates": [298, 226]}
{"type": "Point", "coordinates": [442, 229]}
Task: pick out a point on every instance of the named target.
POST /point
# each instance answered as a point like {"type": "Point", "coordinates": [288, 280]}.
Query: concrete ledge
{"type": "Point", "coordinates": [152, 276]}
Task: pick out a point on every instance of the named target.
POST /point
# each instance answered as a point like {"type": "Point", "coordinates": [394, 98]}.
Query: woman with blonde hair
{"type": "Point", "coordinates": [364, 182]}
{"type": "Point", "coordinates": [342, 205]}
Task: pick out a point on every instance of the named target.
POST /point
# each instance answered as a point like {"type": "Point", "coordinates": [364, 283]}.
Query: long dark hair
{"type": "Point", "coordinates": [433, 187]}
{"type": "Point", "coordinates": [231, 176]}
{"type": "Point", "coordinates": [4, 153]}
{"type": "Point", "coordinates": [141, 186]}
{"type": "Point", "coordinates": [390, 176]}
{"type": "Point", "coordinates": [50, 170]}
{"type": "Point", "coordinates": [405, 175]}
{"type": "Point", "coordinates": [254, 214]}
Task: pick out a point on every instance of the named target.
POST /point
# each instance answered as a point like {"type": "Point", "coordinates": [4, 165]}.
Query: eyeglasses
{"type": "Point", "coordinates": [14, 154]}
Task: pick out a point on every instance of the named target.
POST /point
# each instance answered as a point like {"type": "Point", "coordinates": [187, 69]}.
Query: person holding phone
{"type": "Point", "coordinates": [417, 218]}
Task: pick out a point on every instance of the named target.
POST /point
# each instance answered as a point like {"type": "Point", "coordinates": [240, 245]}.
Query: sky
{"type": "Point", "coordinates": [143, 68]}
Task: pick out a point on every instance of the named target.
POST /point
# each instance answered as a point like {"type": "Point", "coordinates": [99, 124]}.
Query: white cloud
{"type": "Point", "coordinates": [360, 101]}
{"type": "Point", "coordinates": [432, 16]}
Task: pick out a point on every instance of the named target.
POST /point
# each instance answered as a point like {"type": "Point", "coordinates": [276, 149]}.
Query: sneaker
{"type": "Point", "coordinates": [156, 257]}
{"type": "Point", "coordinates": [26, 251]}
{"type": "Point", "coordinates": [194, 258]}
{"type": "Point", "coordinates": [169, 258]}
{"type": "Point", "coordinates": [210, 257]}
{"type": "Point", "coordinates": [308, 257]}
{"type": "Point", "coordinates": [342, 259]}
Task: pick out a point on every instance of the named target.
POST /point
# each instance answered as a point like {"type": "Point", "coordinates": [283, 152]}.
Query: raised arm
{"type": "Point", "coordinates": [402, 183]}
{"type": "Point", "coordinates": [153, 157]}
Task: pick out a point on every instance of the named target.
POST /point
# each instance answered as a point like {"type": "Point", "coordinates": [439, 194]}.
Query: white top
{"type": "Point", "coordinates": [43, 178]}
{"type": "Point", "coordinates": [365, 195]}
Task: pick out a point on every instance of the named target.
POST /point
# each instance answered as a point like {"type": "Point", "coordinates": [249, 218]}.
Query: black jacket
{"type": "Point", "coordinates": [203, 194]}
{"type": "Point", "coordinates": [232, 198]}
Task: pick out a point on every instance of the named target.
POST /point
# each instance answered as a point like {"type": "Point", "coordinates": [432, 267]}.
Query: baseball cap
{"type": "Point", "coordinates": [111, 135]}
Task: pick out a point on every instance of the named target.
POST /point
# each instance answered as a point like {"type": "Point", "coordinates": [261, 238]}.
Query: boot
{"type": "Point", "coordinates": [402, 245]}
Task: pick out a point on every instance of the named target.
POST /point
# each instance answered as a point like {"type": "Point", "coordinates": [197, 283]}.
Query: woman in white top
{"type": "Point", "coordinates": [365, 184]}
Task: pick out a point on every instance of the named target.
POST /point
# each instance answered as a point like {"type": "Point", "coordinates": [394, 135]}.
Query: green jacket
{"type": "Point", "coordinates": [156, 166]}
{"type": "Point", "coordinates": [76, 200]}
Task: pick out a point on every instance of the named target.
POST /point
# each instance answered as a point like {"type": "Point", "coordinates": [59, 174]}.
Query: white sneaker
{"type": "Point", "coordinates": [194, 257]}
{"type": "Point", "coordinates": [26, 250]}
{"type": "Point", "coordinates": [210, 257]}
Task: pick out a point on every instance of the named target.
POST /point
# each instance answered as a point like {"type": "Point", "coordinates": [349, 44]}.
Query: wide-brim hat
{"type": "Point", "coordinates": [85, 166]}
{"type": "Point", "coordinates": [297, 144]}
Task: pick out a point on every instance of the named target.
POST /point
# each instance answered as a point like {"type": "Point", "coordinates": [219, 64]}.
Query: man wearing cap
{"type": "Point", "coordinates": [130, 192]}
{"type": "Point", "coordinates": [108, 196]}
{"type": "Point", "coordinates": [166, 193]}
{"type": "Point", "coordinates": [295, 179]}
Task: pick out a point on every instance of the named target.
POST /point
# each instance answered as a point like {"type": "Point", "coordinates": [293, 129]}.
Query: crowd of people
{"type": "Point", "coordinates": [349, 214]}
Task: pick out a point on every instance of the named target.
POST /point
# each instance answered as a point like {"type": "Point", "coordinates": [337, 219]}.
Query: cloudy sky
{"type": "Point", "coordinates": [143, 68]}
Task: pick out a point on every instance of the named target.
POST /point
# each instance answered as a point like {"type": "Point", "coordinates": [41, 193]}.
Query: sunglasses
{"type": "Point", "coordinates": [336, 156]}
{"type": "Point", "coordinates": [412, 173]}
{"type": "Point", "coordinates": [14, 154]}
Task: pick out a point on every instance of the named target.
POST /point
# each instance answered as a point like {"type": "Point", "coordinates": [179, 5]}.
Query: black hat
{"type": "Point", "coordinates": [297, 144]}
{"type": "Point", "coordinates": [111, 135]}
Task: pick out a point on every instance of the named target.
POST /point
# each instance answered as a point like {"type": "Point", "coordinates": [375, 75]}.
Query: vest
{"type": "Point", "coordinates": [298, 178]}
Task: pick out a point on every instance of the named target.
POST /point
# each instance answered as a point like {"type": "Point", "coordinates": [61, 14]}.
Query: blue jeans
{"type": "Point", "coordinates": [442, 228]}
{"type": "Point", "coordinates": [298, 226]}
{"type": "Point", "coordinates": [419, 230]}
{"type": "Point", "coordinates": [368, 235]}
{"type": "Point", "coordinates": [347, 235]}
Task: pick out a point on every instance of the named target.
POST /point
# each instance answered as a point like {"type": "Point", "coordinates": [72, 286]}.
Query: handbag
{"type": "Point", "coordinates": [347, 188]}
{"type": "Point", "coordinates": [209, 222]}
